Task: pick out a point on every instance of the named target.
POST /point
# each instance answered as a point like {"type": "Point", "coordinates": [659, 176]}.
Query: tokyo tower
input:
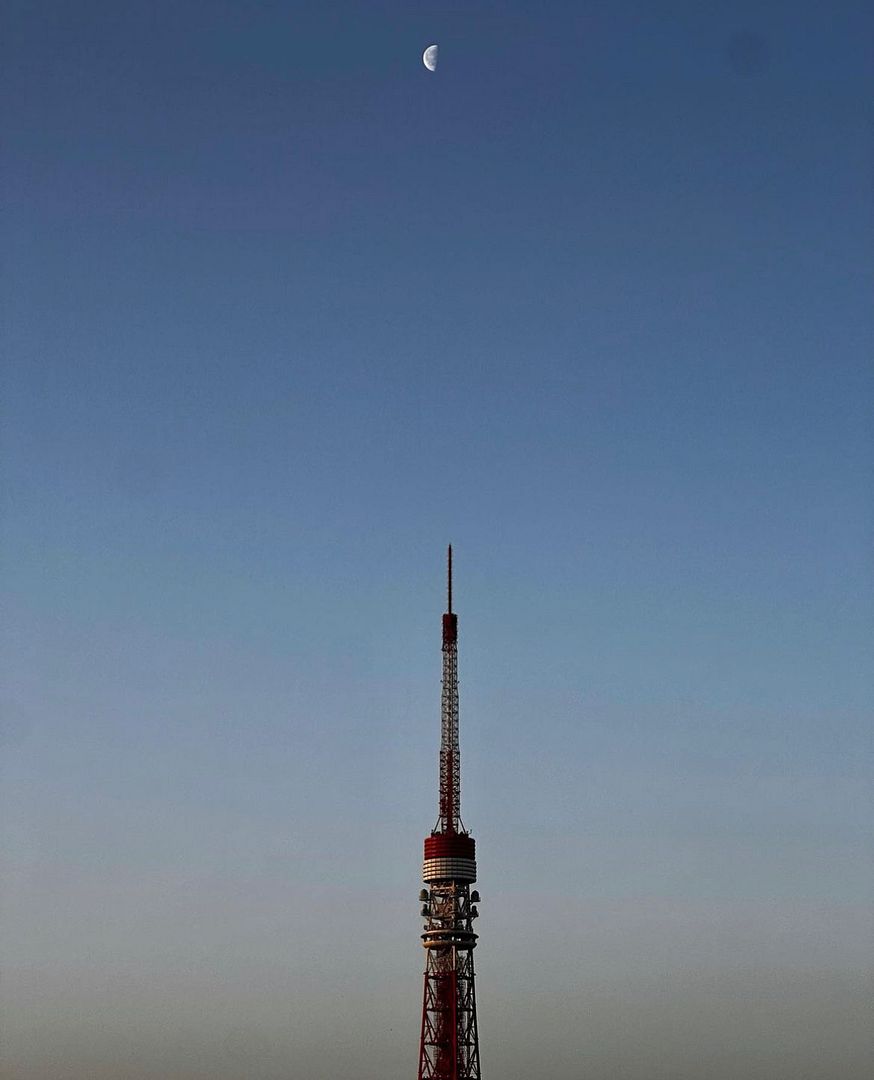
{"type": "Point", "coordinates": [449, 1043]}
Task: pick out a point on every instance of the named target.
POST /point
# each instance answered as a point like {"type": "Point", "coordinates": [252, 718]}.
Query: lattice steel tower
{"type": "Point", "coordinates": [449, 1045]}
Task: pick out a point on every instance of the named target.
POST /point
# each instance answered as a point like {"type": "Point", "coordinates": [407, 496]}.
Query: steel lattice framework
{"type": "Point", "coordinates": [449, 1043]}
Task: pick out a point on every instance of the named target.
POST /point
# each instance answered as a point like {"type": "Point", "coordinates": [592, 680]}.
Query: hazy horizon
{"type": "Point", "coordinates": [284, 314]}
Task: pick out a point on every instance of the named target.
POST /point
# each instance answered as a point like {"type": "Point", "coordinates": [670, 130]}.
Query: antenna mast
{"type": "Point", "coordinates": [450, 763]}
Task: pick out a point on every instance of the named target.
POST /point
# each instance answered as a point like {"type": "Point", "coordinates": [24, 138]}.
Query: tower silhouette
{"type": "Point", "coordinates": [449, 1043]}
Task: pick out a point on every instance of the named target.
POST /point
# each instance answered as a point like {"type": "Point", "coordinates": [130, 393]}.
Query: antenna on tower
{"type": "Point", "coordinates": [449, 578]}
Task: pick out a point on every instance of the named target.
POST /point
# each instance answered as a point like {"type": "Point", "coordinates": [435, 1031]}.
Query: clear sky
{"type": "Point", "coordinates": [283, 315]}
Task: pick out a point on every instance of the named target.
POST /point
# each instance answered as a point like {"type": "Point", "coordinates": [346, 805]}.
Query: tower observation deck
{"type": "Point", "coordinates": [449, 1042]}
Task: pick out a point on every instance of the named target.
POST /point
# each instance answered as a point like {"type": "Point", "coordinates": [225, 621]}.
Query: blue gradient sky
{"type": "Point", "coordinates": [283, 315]}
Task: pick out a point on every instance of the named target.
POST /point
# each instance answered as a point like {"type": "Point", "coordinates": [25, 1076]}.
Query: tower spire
{"type": "Point", "coordinates": [449, 579]}
{"type": "Point", "coordinates": [450, 765]}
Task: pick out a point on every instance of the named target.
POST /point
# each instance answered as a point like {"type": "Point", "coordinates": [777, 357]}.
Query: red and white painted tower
{"type": "Point", "coordinates": [449, 1045]}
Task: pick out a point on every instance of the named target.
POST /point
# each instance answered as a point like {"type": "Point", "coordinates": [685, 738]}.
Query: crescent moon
{"type": "Point", "coordinates": [429, 57]}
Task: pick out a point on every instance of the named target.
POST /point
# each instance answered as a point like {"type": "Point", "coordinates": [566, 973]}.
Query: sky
{"type": "Point", "coordinates": [283, 315]}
